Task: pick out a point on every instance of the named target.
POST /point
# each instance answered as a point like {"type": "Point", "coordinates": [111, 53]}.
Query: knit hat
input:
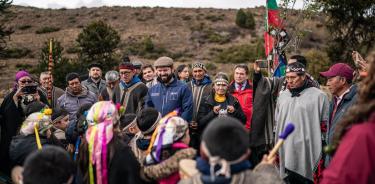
{"type": "Point", "coordinates": [170, 130]}
{"type": "Point", "coordinates": [147, 120]}
{"type": "Point", "coordinates": [97, 65]}
{"type": "Point", "coordinates": [199, 65]}
{"type": "Point", "coordinates": [137, 64]}
{"type": "Point", "coordinates": [21, 74]}
{"type": "Point", "coordinates": [126, 65]}
{"type": "Point", "coordinates": [296, 67]}
{"type": "Point", "coordinates": [226, 137]}
{"type": "Point", "coordinates": [221, 78]}
{"type": "Point", "coordinates": [163, 61]}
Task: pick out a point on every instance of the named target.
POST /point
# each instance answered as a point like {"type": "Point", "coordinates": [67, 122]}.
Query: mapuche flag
{"type": "Point", "coordinates": [273, 17]}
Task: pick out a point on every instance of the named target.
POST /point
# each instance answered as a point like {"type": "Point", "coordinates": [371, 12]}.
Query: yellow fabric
{"type": "Point", "coordinates": [219, 98]}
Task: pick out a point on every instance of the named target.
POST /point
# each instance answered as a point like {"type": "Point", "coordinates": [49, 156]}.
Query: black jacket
{"type": "Point", "coordinates": [206, 113]}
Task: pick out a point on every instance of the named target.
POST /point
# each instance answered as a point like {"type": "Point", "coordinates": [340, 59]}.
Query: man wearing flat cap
{"type": "Point", "coordinates": [307, 108]}
{"type": "Point", "coordinates": [169, 94]}
{"type": "Point", "coordinates": [94, 83]}
{"type": "Point", "coordinates": [339, 82]}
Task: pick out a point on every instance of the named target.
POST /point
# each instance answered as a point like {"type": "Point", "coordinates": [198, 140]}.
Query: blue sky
{"type": "Point", "coordinates": [152, 3]}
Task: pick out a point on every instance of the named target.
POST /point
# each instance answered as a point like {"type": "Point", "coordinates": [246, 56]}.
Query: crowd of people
{"type": "Point", "coordinates": [165, 124]}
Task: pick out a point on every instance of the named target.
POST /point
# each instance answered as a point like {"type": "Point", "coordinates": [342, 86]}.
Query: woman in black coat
{"type": "Point", "coordinates": [219, 103]}
{"type": "Point", "coordinates": [13, 112]}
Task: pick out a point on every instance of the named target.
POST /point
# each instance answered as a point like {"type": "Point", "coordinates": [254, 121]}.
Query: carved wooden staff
{"type": "Point", "coordinates": [50, 66]}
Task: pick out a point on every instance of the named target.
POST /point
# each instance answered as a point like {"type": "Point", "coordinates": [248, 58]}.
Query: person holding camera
{"type": "Point", "coordinates": [220, 103]}
{"type": "Point", "coordinates": [12, 112]}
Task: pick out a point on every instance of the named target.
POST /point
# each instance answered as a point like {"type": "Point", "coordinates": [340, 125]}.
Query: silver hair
{"type": "Point", "coordinates": [112, 76]}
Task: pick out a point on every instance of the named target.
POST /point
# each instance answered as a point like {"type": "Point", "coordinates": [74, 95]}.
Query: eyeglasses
{"type": "Point", "coordinates": [25, 81]}
{"type": "Point", "coordinates": [125, 73]}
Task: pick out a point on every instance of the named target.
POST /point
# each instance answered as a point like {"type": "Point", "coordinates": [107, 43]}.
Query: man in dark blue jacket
{"type": "Point", "coordinates": [339, 82]}
{"type": "Point", "coordinates": [169, 94]}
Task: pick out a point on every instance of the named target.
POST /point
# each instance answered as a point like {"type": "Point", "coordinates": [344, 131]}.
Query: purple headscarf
{"type": "Point", "coordinates": [19, 75]}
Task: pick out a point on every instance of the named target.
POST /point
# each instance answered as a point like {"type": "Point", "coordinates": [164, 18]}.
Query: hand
{"type": "Point", "coordinates": [216, 109]}
{"type": "Point", "coordinates": [48, 133]}
{"type": "Point", "coordinates": [265, 160]}
{"type": "Point", "coordinates": [256, 67]}
{"type": "Point", "coordinates": [36, 96]}
{"type": "Point", "coordinates": [17, 174]}
{"type": "Point", "coordinates": [17, 94]}
{"type": "Point", "coordinates": [194, 125]}
{"type": "Point", "coordinates": [230, 109]}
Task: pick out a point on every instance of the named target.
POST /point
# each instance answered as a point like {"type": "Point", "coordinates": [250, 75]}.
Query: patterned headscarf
{"type": "Point", "coordinates": [37, 123]}
{"type": "Point", "coordinates": [101, 118]}
{"type": "Point", "coordinates": [171, 129]}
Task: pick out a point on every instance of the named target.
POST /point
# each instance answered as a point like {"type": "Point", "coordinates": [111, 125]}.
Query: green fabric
{"type": "Point", "coordinates": [272, 4]}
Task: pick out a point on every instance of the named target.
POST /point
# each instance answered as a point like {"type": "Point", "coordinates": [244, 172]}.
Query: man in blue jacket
{"type": "Point", "coordinates": [169, 94]}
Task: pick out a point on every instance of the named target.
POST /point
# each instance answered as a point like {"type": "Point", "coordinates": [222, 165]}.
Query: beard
{"type": "Point", "coordinates": [165, 78]}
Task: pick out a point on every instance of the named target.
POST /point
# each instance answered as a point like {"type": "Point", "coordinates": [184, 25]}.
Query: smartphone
{"type": "Point", "coordinates": [262, 63]}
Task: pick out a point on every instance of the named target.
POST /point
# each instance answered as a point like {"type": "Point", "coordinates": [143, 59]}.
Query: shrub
{"type": "Point", "coordinates": [24, 27]}
{"type": "Point", "coordinates": [214, 18]}
{"type": "Point", "coordinates": [245, 19]}
{"type": "Point", "coordinates": [237, 54]}
{"type": "Point", "coordinates": [16, 52]}
{"type": "Point", "coordinates": [22, 66]}
{"type": "Point", "coordinates": [47, 30]}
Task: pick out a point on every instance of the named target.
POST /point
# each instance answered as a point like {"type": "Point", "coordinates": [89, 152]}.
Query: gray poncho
{"type": "Point", "coordinates": [302, 150]}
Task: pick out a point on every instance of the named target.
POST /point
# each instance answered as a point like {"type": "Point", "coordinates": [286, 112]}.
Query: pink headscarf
{"type": "Point", "coordinates": [19, 75]}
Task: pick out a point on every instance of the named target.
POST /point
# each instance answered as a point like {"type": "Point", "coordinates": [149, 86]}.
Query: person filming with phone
{"type": "Point", "coordinates": [12, 112]}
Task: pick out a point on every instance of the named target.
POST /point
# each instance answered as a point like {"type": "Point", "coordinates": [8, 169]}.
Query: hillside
{"type": "Point", "coordinates": [186, 34]}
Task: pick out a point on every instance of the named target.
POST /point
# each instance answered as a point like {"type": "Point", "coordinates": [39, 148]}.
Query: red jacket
{"type": "Point", "coordinates": [354, 161]}
{"type": "Point", "coordinates": [245, 97]}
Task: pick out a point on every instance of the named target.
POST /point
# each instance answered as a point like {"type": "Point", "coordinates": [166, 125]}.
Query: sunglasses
{"type": "Point", "coordinates": [25, 81]}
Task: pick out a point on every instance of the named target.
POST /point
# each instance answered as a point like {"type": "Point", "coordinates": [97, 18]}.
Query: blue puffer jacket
{"type": "Point", "coordinates": [168, 98]}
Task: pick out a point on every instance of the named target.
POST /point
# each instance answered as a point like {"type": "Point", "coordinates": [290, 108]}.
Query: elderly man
{"type": "Point", "coordinates": [46, 81]}
{"type": "Point", "coordinates": [340, 85]}
{"type": "Point", "coordinates": [112, 79]}
{"type": "Point", "coordinates": [169, 94]}
{"type": "Point", "coordinates": [307, 108]}
{"type": "Point", "coordinates": [94, 83]}
{"type": "Point", "coordinates": [131, 91]}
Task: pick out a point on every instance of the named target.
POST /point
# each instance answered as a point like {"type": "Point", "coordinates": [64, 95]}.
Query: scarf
{"type": "Point", "coordinates": [203, 167]}
{"type": "Point", "coordinates": [206, 80]}
{"type": "Point", "coordinates": [296, 91]}
{"type": "Point", "coordinates": [132, 82]}
{"type": "Point", "coordinates": [220, 98]}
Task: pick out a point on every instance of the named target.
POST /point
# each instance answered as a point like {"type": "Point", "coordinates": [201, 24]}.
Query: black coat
{"type": "Point", "coordinates": [206, 113]}
{"type": "Point", "coordinates": [11, 118]}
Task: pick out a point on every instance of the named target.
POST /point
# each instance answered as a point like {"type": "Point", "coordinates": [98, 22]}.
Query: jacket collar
{"type": "Point", "coordinates": [83, 93]}
{"type": "Point", "coordinates": [232, 86]}
{"type": "Point", "coordinates": [352, 92]}
{"type": "Point", "coordinates": [206, 80]}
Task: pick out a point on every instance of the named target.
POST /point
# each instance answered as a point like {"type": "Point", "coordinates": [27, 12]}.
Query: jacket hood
{"type": "Point", "coordinates": [206, 80]}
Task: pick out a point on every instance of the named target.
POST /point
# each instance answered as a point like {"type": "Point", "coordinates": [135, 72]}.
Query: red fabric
{"type": "Point", "coordinates": [268, 43]}
{"type": "Point", "coordinates": [274, 19]}
{"type": "Point", "coordinates": [245, 98]}
{"type": "Point", "coordinates": [354, 161]}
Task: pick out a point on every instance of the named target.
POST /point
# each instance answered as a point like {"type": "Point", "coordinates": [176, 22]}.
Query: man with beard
{"type": "Point", "coordinates": [131, 91]}
{"type": "Point", "coordinates": [170, 94]}
{"type": "Point", "coordinates": [95, 83]}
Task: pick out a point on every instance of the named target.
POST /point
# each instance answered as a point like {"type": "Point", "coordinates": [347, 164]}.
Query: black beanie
{"type": "Point", "coordinates": [126, 120]}
{"type": "Point", "coordinates": [35, 106]}
{"type": "Point", "coordinates": [227, 138]}
{"type": "Point", "coordinates": [146, 118]}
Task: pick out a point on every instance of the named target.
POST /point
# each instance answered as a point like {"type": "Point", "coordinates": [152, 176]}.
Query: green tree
{"type": "Point", "coordinates": [317, 61]}
{"type": "Point", "coordinates": [4, 33]}
{"type": "Point", "coordinates": [97, 42]}
{"type": "Point", "coordinates": [245, 19]}
{"type": "Point", "coordinates": [352, 25]}
{"type": "Point", "coordinates": [61, 66]}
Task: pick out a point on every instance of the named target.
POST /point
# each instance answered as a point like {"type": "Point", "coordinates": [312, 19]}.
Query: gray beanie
{"type": "Point", "coordinates": [163, 61]}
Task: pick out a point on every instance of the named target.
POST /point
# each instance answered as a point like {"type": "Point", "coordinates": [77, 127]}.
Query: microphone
{"type": "Point", "coordinates": [287, 131]}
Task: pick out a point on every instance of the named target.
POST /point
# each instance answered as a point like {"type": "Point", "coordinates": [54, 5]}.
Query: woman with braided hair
{"type": "Point", "coordinates": [354, 139]}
